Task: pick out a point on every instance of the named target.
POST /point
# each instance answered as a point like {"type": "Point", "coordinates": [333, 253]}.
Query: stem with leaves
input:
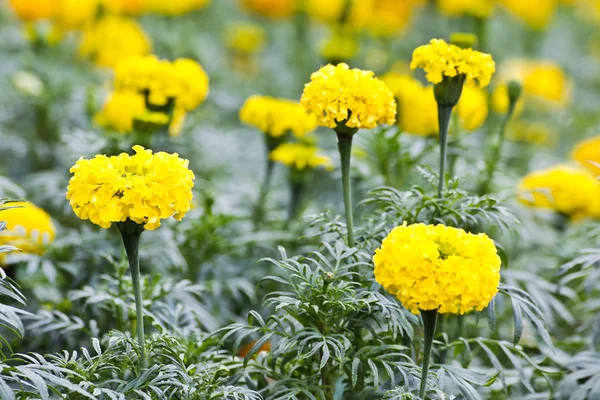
{"type": "Point", "coordinates": [429, 321]}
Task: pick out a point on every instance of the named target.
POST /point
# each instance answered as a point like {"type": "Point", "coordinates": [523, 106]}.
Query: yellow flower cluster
{"type": "Point", "coordinates": [339, 94]}
{"type": "Point", "coordinates": [587, 153]}
{"type": "Point", "coordinates": [477, 8]}
{"type": "Point", "coordinates": [143, 188]}
{"type": "Point", "coordinates": [565, 189]}
{"type": "Point", "coordinates": [276, 117]}
{"type": "Point", "coordinates": [300, 156]}
{"type": "Point", "coordinates": [245, 38]}
{"type": "Point", "coordinates": [175, 7]}
{"type": "Point", "coordinates": [440, 59]}
{"type": "Point", "coordinates": [112, 39]}
{"type": "Point", "coordinates": [535, 13]}
{"type": "Point", "coordinates": [472, 108]}
{"type": "Point", "coordinates": [271, 8]}
{"type": "Point", "coordinates": [439, 268]}
{"type": "Point", "coordinates": [120, 111]}
{"type": "Point", "coordinates": [28, 227]}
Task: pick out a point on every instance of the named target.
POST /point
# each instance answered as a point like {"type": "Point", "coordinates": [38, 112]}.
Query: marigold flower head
{"type": "Point", "coordinates": [277, 117]}
{"type": "Point", "coordinates": [271, 8]}
{"type": "Point", "coordinates": [143, 188]}
{"type": "Point", "coordinates": [338, 94]}
{"type": "Point", "coordinates": [386, 18]}
{"type": "Point", "coordinates": [535, 13]}
{"type": "Point", "coordinates": [175, 7]}
{"type": "Point", "coordinates": [587, 154]}
{"type": "Point", "coordinates": [112, 39]}
{"type": "Point", "coordinates": [245, 38]}
{"type": "Point", "coordinates": [300, 156]}
{"type": "Point", "coordinates": [440, 59]}
{"type": "Point", "coordinates": [120, 111]}
{"type": "Point", "coordinates": [28, 227]}
{"type": "Point", "coordinates": [568, 190]}
{"type": "Point", "coordinates": [437, 267]}
{"type": "Point", "coordinates": [477, 8]}
{"type": "Point", "coordinates": [33, 10]}
{"type": "Point", "coordinates": [125, 7]}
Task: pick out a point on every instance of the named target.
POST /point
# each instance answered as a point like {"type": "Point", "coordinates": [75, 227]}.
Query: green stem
{"type": "Point", "coordinates": [429, 321]}
{"type": "Point", "coordinates": [444, 115]}
{"type": "Point", "coordinates": [345, 148]}
{"type": "Point", "coordinates": [131, 242]}
{"type": "Point", "coordinates": [270, 145]}
{"type": "Point", "coordinates": [496, 153]}
{"type": "Point", "coordinates": [481, 30]}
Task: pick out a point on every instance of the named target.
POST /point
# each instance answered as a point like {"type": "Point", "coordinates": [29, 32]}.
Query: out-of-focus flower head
{"type": "Point", "coordinates": [271, 8]}
{"type": "Point", "coordinates": [120, 111]}
{"type": "Point", "coordinates": [437, 267]}
{"type": "Point", "coordinates": [388, 17]}
{"type": "Point", "coordinates": [440, 59]}
{"type": "Point", "coordinates": [341, 46]}
{"type": "Point", "coordinates": [245, 37]}
{"type": "Point", "coordinates": [354, 97]}
{"type": "Point", "coordinates": [537, 14]}
{"type": "Point", "coordinates": [572, 191]}
{"type": "Point", "coordinates": [125, 7]}
{"type": "Point", "coordinates": [74, 14]}
{"type": "Point", "coordinates": [329, 11]}
{"type": "Point", "coordinates": [587, 153]}
{"type": "Point", "coordinates": [28, 227]}
{"type": "Point", "coordinates": [276, 117]}
{"type": "Point", "coordinates": [144, 188]}
{"type": "Point", "coordinates": [112, 39]}
{"type": "Point", "coordinates": [472, 108]}
{"type": "Point", "coordinates": [175, 7]}
{"type": "Point", "coordinates": [300, 156]}
{"type": "Point", "coordinates": [477, 8]}
{"type": "Point", "coordinates": [500, 101]}
{"type": "Point", "coordinates": [34, 10]}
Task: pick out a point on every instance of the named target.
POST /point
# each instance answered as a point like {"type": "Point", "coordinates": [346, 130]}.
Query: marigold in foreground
{"type": "Point", "coordinates": [277, 117]}
{"type": "Point", "coordinates": [337, 94]}
{"type": "Point", "coordinates": [300, 156]}
{"type": "Point", "coordinates": [587, 153]}
{"type": "Point", "coordinates": [440, 59]}
{"type": "Point", "coordinates": [439, 268]}
{"type": "Point", "coordinates": [28, 227]}
{"type": "Point", "coordinates": [143, 188]}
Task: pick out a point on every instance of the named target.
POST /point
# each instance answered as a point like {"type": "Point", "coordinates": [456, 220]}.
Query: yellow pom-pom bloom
{"type": "Point", "coordinates": [277, 117]}
{"type": "Point", "coordinates": [245, 38]}
{"type": "Point", "coordinates": [477, 8]}
{"type": "Point", "coordinates": [472, 108]}
{"type": "Point", "coordinates": [33, 10]}
{"type": "Point", "coordinates": [271, 8]}
{"type": "Point", "coordinates": [28, 227]}
{"type": "Point", "coordinates": [112, 39]}
{"type": "Point", "coordinates": [565, 189]}
{"type": "Point", "coordinates": [439, 268]}
{"type": "Point", "coordinates": [587, 153]}
{"type": "Point", "coordinates": [337, 94]}
{"type": "Point", "coordinates": [143, 188]}
{"type": "Point", "coordinates": [535, 13]}
{"type": "Point", "coordinates": [73, 14]}
{"type": "Point", "coordinates": [440, 59]}
{"type": "Point", "coordinates": [175, 7]}
{"type": "Point", "coordinates": [300, 156]}
{"type": "Point", "coordinates": [120, 110]}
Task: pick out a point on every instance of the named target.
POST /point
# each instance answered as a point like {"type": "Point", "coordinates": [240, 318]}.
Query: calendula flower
{"type": "Point", "coordinates": [276, 117]}
{"type": "Point", "coordinates": [144, 188]}
{"type": "Point", "coordinates": [477, 8]}
{"type": "Point", "coordinates": [568, 190]}
{"type": "Point", "coordinates": [175, 7]}
{"type": "Point", "coordinates": [535, 13]}
{"type": "Point", "coordinates": [112, 39]}
{"type": "Point", "coordinates": [28, 227]}
{"type": "Point", "coordinates": [245, 38]}
{"type": "Point", "coordinates": [300, 156]}
{"type": "Point", "coordinates": [439, 268]}
{"type": "Point", "coordinates": [472, 108]}
{"type": "Point", "coordinates": [271, 8]}
{"type": "Point", "coordinates": [120, 111]}
{"type": "Point", "coordinates": [587, 153]}
{"type": "Point", "coordinates": [440, 59]}
{"type": "Point", "coordinates": [338, 94]}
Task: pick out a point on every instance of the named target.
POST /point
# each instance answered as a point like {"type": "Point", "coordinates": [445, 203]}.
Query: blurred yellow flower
{"type": "Point", "coordinates": [28, 227]}
{"type": "Point", "coordinates": [245, 38]}
{"type": "Point", "coordinates": [568, 190]}
{"type": "Point", "coordinates": [33, 10]}
{"type": "Point", "coordinates": [535, 13]}
{"type": "Point", "coordinates": [587, 153]}
{"type": "Point", "coordinates": [300, 156]}
{"type": "Point", "coordinates": [337, 94]}
{"type": "Point", "coordinates": [120, 110]}
{"type": "Point", "coordinates": [342, 45]}
{"type": "Point", "coordinates": [276, 117]}
{"type": "Point", "coordinates": [112, 39]}
{"type": "Point", "coordinates": [477, 8]}
{"type": "Point", "coordinates": [175, 7]}
{"type": "Point", "coordinates": [440, 59]}
{"type": "Point", "coordinates": [472, 108]}
{"type": "Point", "coordinates": [143, 188]}
{"type": "Point", "coordinates": [329, 11]}
{"type": "Point", "coordinates": [439, 268]}
{"type": "Point", "coordinates": [271, 8]}
{"type": "Point", "coordinates": [388, 17]}
{"type": "Point", "coordinates": [500, 100]}
{"type": "Point", "coordinates": [125, 7]}
{"type": "Point", "coordinates": [74, 14]}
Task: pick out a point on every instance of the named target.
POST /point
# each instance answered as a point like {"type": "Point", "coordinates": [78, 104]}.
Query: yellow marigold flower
{"type": "Point", "coordinates": [565, 189]}
{"type": "Point", "coordinates": [271, 8]}
{"type": "Point", "coordinates": [472, 108]}
{"type": "Point", "coordinates": [28, 227]}
{"type": "Point", "coordinates": [587, 153]}
{"type": "Point", "coordinates": [477, 8]}
{"type": "Point", "coordinates": [338, 94]}
{"type": "Point", "coordinates": [388, 17]}
{"type": "Point", "coordinates": [439, 268]}
{"type": "Point", "coordinates": [277, 117]}
{"type": "Point", "coordinates": [143, 188]}
{"type": "Point", "coordinates": [245, 38]}
{"type": "Point", "coordinates": [125, 7]}
{"type": "Point", "coordinates": [33, 10]}
{"type": "Point", "coordinates": [341, 45]}
{"type": "Point", "coordinates": [326, 10]}
{"type": "Point", "coordinates": [112, 39]}
{"type": "Point", "coordinates": [440, 59]}
{"type": "Point", "coordinates": [182, 81]}
{"type": "Point", "coordinates": [120, 110]}
{"type": "Point", "coordinates": [175, 7]}
{"type": "Point", "coordinates": [73, 14]}
{"type": "Point", "coordinates": [535, 13]}
{"type": "Point", "coordinates": [300, 156]}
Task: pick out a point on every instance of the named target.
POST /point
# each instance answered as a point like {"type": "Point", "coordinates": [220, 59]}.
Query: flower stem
{"type": "Point", "coordinates": [270, 145]}
{"type": "Point", "coordinates": [345, 148]}
{"type": "Point", "coordinates": [429, 322]}
{"type": "Point", "coordinates": [444, 115]}
{"type": "Point", "coordinates": [131, 240]}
